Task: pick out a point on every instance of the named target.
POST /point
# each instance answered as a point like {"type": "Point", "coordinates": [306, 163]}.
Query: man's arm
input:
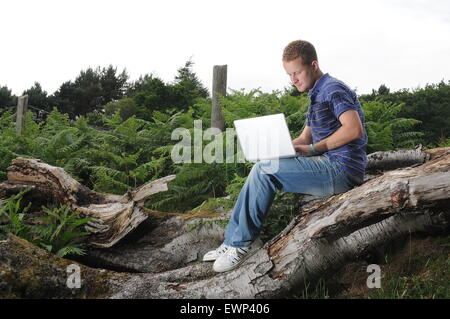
{"type": "Point", "coordinates": [304, 138]}
{"type": "Point", "coordinates": [350, 130]}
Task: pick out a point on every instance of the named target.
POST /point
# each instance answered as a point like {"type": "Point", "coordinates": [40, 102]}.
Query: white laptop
{"type": "Point", "coordinates": [265, 137]}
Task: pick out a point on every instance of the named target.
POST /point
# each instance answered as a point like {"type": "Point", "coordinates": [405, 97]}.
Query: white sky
{"type": "Point", "coordinates": [401, 43]}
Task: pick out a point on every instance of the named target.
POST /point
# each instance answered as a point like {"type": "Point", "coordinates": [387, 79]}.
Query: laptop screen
{"type": "Point", "coordinates": [264, 137]}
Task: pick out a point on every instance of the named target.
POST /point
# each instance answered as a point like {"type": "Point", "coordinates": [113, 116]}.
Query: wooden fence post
{"type": "Point", "coordinates": [22, 108]}
{"type": "Point", "coordinates": [219, 89]}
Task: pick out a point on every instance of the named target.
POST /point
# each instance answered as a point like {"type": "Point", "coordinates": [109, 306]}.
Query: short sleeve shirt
{"type": "Point", "coordinates": [329, 99]}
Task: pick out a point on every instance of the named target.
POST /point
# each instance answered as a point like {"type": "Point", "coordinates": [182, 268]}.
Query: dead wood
{"type": "Point", "coordinates": [114, 215]}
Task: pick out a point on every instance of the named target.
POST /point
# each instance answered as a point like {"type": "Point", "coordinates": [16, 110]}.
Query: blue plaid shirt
{"type": "Point", "coordinates": [329, 99]}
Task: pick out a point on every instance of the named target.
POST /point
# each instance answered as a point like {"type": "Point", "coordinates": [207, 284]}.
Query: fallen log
{"type": "Point", "coordinates": [326, 235]}
{"type": "Point", "coordinates": [27, 271]}
{"type": "Point", "coordinates": [114, 216]}
{"type": "Point", "coordinates": [389, 160]}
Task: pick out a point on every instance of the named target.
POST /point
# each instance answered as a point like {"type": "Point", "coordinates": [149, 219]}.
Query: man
{"type": "Point", "coordinates": [333, 132]}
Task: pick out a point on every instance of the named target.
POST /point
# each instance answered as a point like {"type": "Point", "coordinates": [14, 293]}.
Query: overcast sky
{"type": "Point", "coordinates": [401, 43]}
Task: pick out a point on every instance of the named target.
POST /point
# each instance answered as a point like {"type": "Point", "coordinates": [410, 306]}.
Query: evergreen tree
{"type": "Point", "coordinates": [187, 86]}
{"type": "Point", "coordinates": [64, 98]}
{"type": "Point", "coordinates": [382, 90]}
{"type": "Point", "coordinates": [113, 85]}
{"type": "Point", "coordinates": [6, 98]}
{"type": "Point", "coordinates": [91, 90]}
{"type": "Point", "coordinates": [150, 94]}
{"type": "Point", "coordinates": [38, 97]}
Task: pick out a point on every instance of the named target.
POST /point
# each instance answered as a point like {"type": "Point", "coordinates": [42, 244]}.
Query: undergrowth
{"type": "Point", "coordinates": [57, 230]}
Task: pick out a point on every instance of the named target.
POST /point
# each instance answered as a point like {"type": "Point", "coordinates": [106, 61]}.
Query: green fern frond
{"type": "Point", "coordinates": [101, 171]}
{"type": "Point", "coordinates": [143, 171]}
{"type": "Point", "coordinates": [70, 149]}
{"type": "Point", "coordinates": [106, 183]}
{"type": "Point", "coordinates": [75, 164]}
{"type": "Point", "coordinates": [73, 249]}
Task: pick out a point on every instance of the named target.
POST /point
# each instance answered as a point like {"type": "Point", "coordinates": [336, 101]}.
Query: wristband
{"type": "Point", "coordinates": [312, 148]}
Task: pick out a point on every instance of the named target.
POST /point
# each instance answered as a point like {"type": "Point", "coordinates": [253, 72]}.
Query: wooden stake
{"type": "Point", "coordinates": [219, 89]}
{"type": "Point", "coordinates": [22, 108]}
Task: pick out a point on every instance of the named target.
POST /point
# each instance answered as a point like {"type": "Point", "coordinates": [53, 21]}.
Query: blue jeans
{"type": "Point", "coordinates": [315, 175]}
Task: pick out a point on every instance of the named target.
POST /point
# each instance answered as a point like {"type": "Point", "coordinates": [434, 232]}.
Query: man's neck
{"type": "Point", "coordinates": [319, 74]}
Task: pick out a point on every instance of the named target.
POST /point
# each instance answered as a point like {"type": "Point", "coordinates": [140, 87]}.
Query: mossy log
{"type": "Point", "coordinates": [27, 271]}
{"type": "Point", "coordinates": [325, 235]}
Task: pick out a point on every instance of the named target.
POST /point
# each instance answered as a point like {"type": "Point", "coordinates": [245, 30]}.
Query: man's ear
{"type": "Point", "coordinates": [315, 65]}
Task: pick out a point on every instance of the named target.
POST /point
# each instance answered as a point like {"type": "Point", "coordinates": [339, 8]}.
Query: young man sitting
{"type": "Point", "coordinates": [334, 131]}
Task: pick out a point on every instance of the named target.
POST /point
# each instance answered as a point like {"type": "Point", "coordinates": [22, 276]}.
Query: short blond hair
{"type": "Point", "coordinates": [302, 49]}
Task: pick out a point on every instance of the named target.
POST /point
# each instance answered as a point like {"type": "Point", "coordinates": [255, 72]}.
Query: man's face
{"type": "Point", "coordinates": [301, 75]}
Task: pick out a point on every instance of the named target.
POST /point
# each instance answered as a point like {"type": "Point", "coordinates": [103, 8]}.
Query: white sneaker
{"type": "Point", "coordinates": [233, 257]}
{"type": "Point", "coordinates": [216, 253]}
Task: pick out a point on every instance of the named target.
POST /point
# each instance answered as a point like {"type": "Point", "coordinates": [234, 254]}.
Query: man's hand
{"type": "Point", "coordinates": [305, 137]}
{"type": "Point", "coordinates": [302, 148]}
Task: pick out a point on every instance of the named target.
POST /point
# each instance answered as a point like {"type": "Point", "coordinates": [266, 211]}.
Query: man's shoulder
{"type": "Point", "coordinates": [336, 91]}
{"type": "Point", "coordinates": [333, 85]}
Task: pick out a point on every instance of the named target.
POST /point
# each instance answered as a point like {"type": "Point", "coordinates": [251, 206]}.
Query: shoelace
{"type": "Point", "coordinates": [235, 254]}
{"type": "Point", "coordinates": [222, 248]}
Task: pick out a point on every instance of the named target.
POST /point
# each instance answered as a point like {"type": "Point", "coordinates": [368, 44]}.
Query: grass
{"type": "Point", "coordinates": [319, 291]}
{"type": "Point", "coordinates": [420, 270]}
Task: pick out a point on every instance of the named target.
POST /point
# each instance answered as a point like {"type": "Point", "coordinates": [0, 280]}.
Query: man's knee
{"type": "Point", "coordinates": [265, 170]}
{"type": "Point", "coordinates": [267, 167]}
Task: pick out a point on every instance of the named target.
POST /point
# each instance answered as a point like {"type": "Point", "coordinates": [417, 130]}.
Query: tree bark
{"type": "Point", "coordinates": [27, 271]}
{"type": "Point", "coordinates": [326, 235]}
{"type": "Point", "coordinates": [389, 160]}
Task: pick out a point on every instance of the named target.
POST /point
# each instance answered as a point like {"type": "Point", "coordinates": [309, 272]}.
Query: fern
{"type": "Point", "coordinates": [235, 186]}
{"type": "Point", "coordinates": [57, 232]}
{"type": "Point", "coordinates": [73, 249]}
{"type": "Point", "coordinates": [14, 212]}
{"type": "Point", "coordinates": [68, 150]}
{"type": "Point", "coordinates": [385, 130]}
{"type": "Point", "coordinates": [109, 180]}
{"type": "Point", "coordinates": [76, 166]}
